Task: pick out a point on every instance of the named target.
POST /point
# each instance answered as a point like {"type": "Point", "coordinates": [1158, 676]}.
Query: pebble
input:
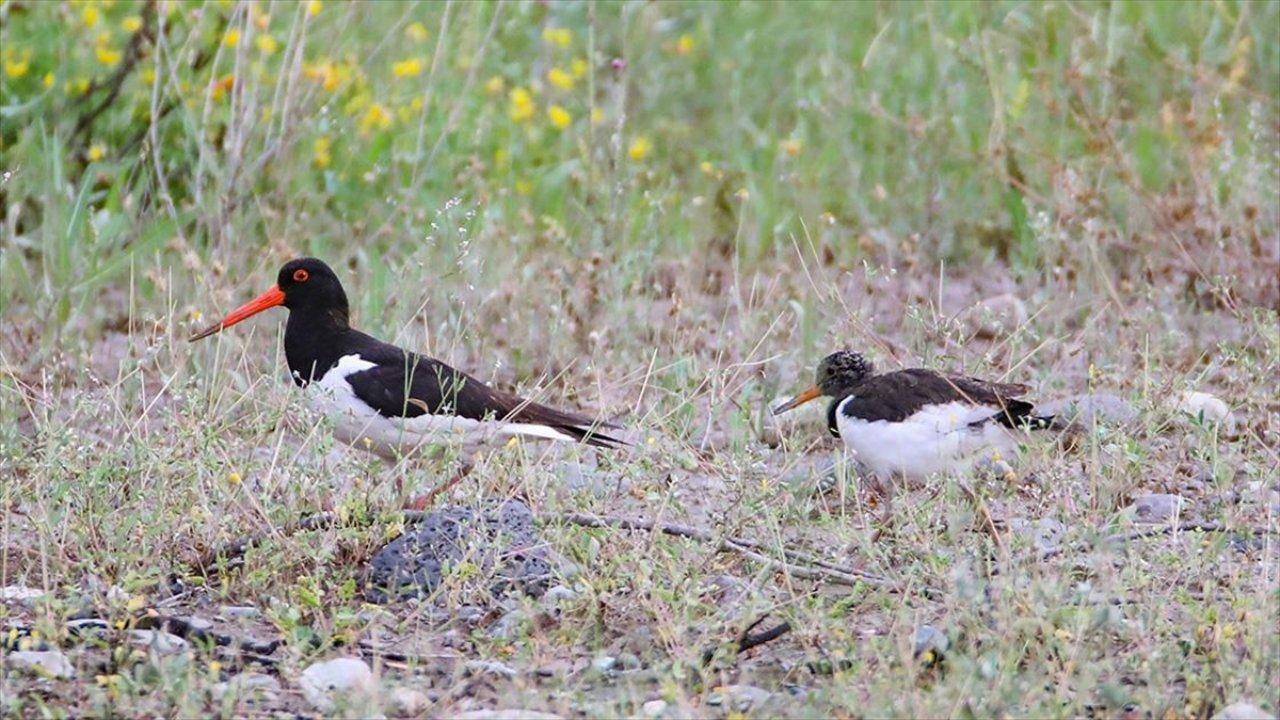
{"type": "Point", "coordinates": [1203, 405]}
{"type": "Point", "coordinates": [559, 594]}
{"type": "Point", "coordinates": [1243, 711]}
{"type": "Point", "coordinates": [409, 701]}
{"type": "Point", "coordinates": [239, 612]}
{"type": "Point", "coordinates": [1157, 507]}
{"type": "Point", "coordinates": [1045, 534]}
{"type": "Point", "coordinates": [247, 684]}
{"type": "Point", "coordinates": [740, 698]}
{"type": "Point", "coordinates": [323, 681]}
{"type": "Point", "coordinates": [654, 708]}
{"type": "Point", "coordinates": [930, 644]}
{"type": "Point", "coordinates": [49, 663]}
{"type": "Point", "coordinates": [995, 316]}
{"type": "Point", "coordinates": [20, 594]}
{"type": "Point", "coordinates": [490, 667]}
{"type": "Point", "coordinates": [158, 640]}
{"type": "Point", "coordinates": [502, 540]}
{"type": "Point", "coordinates": [195, 622]}
{"type": "Point", "coordinates": [604, 663]}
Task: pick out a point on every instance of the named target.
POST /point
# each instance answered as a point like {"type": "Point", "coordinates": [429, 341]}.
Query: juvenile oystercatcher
{"type": "Point", "coordinates": [385, 398]}
{"type": "Point", "coordinates": [913, 423]}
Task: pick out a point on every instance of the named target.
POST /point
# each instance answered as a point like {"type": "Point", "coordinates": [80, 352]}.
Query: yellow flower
{"type": "Point", "coordinates": [313, 7]}
{"type": "Point", "coordinates": [495, 85]}
{"type": "Point", "coordinates": [49, 79]}
{"type": "Point", "coordinates": [597, 116]}
{"type": "Point", "coordinates": [407, 68]}
{"type": "Point", "coordinates": [96, 152]}
{"type": "Point", "coordinates": [15, 68]}
{"type": "Point", "coordinates": [417, 103]}
{"type": "Point", "coordinates": [560, 37]}
{"type": "Point", "coordinates": [791, 147]}
{"type": "Point", "coordinates": [107, 56]}
{"type": "Point", "coordinates": [522, 105]}
{"type": "Point", "coordinates": [640, 148]}
{"type": "Point", "coordinates": [262, 20]}
{"type": "Point", "coordinates": [89, 16]}
{"type": "Point", "coordinates": [232, 38]}
{"type": "Point", "coordinates": [560, 78]}
{"type": "Point", "coordinates": [578, 67]}
{"type": "Point", "coordinates": [377, 117]}
{"type": "Point", "coordinates": [320, 152]}
{"type": "Point", "coordinates": [684, 45]}
{"type": "Point", "coordinates": [324, 73]}
{"type": "Point", "coordinates": [706, 167]}
{"type": "Point", "coordinates": [416, 32]}
{"type": "Point", "coordinates": [219, 89]}
{"type": "Point", "coordinates": [266, 44]}
{"type": "Point", "coordinates": [559, 117]}
{"type": "Point", "coordinates": [131, 24]}
{"type": "Point", "coordinates": [524, 187]}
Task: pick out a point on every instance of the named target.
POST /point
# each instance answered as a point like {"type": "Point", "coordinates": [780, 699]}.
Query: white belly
{"type": "Point", "coordinates": [359, 424]}
{"type": "Point", "coordinates": [939, 439]}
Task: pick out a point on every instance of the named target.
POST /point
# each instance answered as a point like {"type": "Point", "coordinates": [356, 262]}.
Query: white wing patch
{"type": "Point", "coordinates": [938, 438]}
{"type": "Point", "coordinates": [355, 421]}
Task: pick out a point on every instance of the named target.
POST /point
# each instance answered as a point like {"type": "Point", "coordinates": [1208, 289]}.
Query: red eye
{"type": "Point", "coordinates": [301, 275]}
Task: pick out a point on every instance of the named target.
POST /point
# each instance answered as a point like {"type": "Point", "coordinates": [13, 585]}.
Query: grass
{"type": "Point", "coordinates": [763, 183]}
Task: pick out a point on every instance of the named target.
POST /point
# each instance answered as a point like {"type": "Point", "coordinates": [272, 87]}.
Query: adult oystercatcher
{"type": "Point", "coordinates": [913, 423]}
{"type": "Point", "coordinates": [385, 398]}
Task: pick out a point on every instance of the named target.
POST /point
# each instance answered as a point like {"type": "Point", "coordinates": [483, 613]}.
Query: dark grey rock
{"type": "Point", "coordinates": [1156, 507]}
{"type": "Point", "coordinates": [930, 644]}
{"type": "Point", "coordinates": [501, 540]}
{"type": "Point", "coordinates": [46, 663]}
{"type": "Point", "coordinates": [1045, 534]}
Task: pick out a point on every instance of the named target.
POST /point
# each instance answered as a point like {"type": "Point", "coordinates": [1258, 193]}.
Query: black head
{"type": "Point", "coordinates": [308, 283]}
{"type": "Point", "coordinates": [840, 372]}
{"type": "Point", "coordinates": [304, 285]}
{"type": "Point", "coordinates": [838, 375]}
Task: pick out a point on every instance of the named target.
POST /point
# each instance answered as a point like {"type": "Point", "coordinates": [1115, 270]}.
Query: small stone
{"type": "Point", "coordinates": [195, 622]}
{"type": "Point", "coordinates": [239, 612]}
{"type": "Point", "coordinates": [1045, 534]}
{"type": "Point", "coordinates": [162, 642]}
{"type": "Point", "coordinates": [559, 594]}
{"type": "Point", "coordinates": [995, 316]}
{"type": "Point", "coordinates": [409, 701]}
{"type": "Point", "coordinates": [740, 698]}
{"type": "Point", "coordinates": [1156, 507]}
{"type": "Point", "coordinates": [46, 663]}
{"type": "Point", "coordinates": [471, 614]}
{"type": "Point", "coordinates": [930, 645]}
{"type": "Point", "coordinates": [1243, 711]}
{"type": "Point", "coordinates": [247, 684]}
{"type": "Point", "coordinates": [511, 625]}
{"type": "Point", "coordinates": [322, 682]}
{"type": "Point", "coordinates": [604, 663]}
{"type": "Point", "coordinates": [1205, 407]}
{"type": "Point", "coordinates": [20, 594]}
{"type": "Point", "coordinates": [628, 661]}
{"type": "Point", "coordinates": [489, 667]}
{"type": "Point", "coordinates": [654, 708]}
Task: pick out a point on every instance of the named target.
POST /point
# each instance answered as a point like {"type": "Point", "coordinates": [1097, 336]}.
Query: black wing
{"type": "Point", "coordinates": [897, 396]}
{"type": "Point", "coordinates": [410, 385]}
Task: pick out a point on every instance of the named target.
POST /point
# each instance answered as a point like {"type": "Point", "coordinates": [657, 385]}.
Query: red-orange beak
{"type": "Point", "coordinates": [795, 402]}
{"type": "Point", "coordinates": [266, 300]}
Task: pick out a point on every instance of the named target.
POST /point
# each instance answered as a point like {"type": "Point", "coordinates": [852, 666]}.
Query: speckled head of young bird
{"type": "Point", "coordinates": [837, 376]}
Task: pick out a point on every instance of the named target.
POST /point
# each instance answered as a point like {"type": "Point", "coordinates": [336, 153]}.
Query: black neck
{"type": "Point", "coordinates": [314, 341]}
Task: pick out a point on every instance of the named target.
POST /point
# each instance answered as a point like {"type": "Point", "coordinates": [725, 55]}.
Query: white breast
{"type": "Point", "coordinates": [357, 423]}
{"type": "Point", "coordinates": [937, 439]}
